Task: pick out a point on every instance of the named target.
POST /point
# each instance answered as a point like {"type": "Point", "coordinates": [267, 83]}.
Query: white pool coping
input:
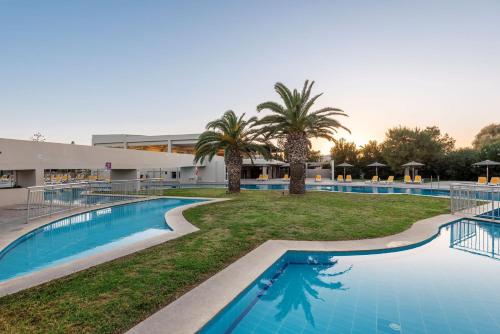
{"type": "Point", "coordinates": [193, 310]}
{"type": "Point", "coordinates": [180, 226]}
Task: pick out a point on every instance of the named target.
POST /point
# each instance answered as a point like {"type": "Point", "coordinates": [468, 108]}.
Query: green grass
{"type": "Point", "coordinates": [113, 297]}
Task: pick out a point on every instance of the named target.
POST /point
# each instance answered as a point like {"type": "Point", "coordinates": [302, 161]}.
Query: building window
{"type": "Point", "coordinates": [174, 175]}
{"type": "Point", "coordinates": [7, 179]}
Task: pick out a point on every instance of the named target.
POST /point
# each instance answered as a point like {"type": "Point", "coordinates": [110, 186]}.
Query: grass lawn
{"type": "Point", "coordinates": [112, 297]}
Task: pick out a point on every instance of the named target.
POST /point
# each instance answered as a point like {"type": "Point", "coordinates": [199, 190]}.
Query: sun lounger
{"type": "Point", "coordinates": [374, 179]}
{"type": "Point", "coordinates": [340, 178]}
{"type": "Point", "coordinates": [495, 181]}
{"type": "Point", "coordinates": [408, 179]}
{"type": "Point", "coordinates": [263, 177]}
{"type": "Point", "coordinates": [390, 180]}
{"type": "Point", "coordinates": [348, 178]}
{"type": "Point", "coordinates": [418, 179]}
{"type": "Point", "coordinates": [482, 180]}
{"type": "Point", "coordinates": [317, 178]}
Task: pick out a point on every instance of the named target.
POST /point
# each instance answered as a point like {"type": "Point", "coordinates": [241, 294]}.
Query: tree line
{"type": "Point", "coordinates": [428, 145]}
{"type": "Point", "coordinates": [286, 131]}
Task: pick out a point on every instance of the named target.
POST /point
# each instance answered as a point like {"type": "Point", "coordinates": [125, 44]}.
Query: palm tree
{"type": "Point", "coordinates": [294, 122]}
{"type": "Point", "coordinates": [237, 138]}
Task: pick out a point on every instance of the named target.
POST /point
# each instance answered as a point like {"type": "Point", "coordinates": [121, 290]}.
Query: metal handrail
{"type": "Point", "coordinates": [474, 200]}
{"type": "Point", "coordinates": [54, 198]}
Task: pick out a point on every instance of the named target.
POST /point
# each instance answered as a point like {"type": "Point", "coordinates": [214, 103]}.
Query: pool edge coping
{"type": "Point", "coordinates": [193, 310]}
{"type": "Point", "coordinates": [174, 218]}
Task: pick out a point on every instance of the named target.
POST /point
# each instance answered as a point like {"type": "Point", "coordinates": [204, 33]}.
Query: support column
{"type": "Point", "coordinates": [29, 178]}
{"type": "Point", "coordinates": [125, 174]}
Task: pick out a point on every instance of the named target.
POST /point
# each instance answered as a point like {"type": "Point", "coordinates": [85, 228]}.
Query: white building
{"type": "Point", "coordinates": [185, 143]}
{"type": "Point", "coordinates": [29, 163]}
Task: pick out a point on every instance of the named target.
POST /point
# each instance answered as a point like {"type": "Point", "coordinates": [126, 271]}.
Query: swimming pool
{"type": "Point", "coordinates": [356, 189]}
{"type": "Point", "coordinates": [86, 234]}
{"type": "Point", "coordinates": [446, 285]}
{"type": "Point", "coordinates": [364, 189]}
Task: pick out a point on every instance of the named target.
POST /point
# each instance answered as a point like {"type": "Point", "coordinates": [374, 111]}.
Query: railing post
{"type": "Point", "coordinates": [51, 199]}
{"type": "Point", "coordinates": [28, 206]}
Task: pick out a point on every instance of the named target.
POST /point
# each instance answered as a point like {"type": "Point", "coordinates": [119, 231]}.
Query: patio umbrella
{"type": "Point", "coordinates": [487, 163]}
{"type": "Point", "coordinates": [345, 165]}
{"type": "Point", "coordinates": [376, 165]}
{"type": "Point", "coordinates": [413, 164]}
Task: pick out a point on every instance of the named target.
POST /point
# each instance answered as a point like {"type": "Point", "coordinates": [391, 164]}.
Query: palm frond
{"type": "Point", "coordinates": [295, 115]}
{"type": "Point", "coordinates": [230, 133]}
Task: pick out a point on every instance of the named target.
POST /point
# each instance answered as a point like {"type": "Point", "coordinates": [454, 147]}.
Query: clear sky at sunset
{"type": "Point", "coordinates": [70, 69]}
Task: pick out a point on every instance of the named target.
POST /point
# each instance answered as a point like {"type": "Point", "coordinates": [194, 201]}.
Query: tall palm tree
{"type": "Point", "coordinates": [294, 122]}
{"type": "Point", "coordinates": [237, 138]}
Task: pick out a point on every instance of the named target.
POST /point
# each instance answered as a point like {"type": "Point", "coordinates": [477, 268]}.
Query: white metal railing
{"type": "Point", "coordinates": [470, 200]}
{"type": "Point", "coordinates": [49, 199]}
{"type": "Point", "coordinates": [474, 237]}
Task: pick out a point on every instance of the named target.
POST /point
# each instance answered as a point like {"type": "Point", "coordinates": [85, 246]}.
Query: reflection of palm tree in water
{"type": "Point", "coordinates": [300, 287]}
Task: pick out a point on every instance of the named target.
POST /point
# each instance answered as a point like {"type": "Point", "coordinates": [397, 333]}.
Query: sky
{"type": "Point", "coordinates": [70, 69]}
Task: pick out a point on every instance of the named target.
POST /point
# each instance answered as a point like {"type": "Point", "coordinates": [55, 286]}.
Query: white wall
{"type": "Point", "coordinates": [23, 155]}
{"type": "Point", "coordinates": [30, 159]}
{"type": "Point", "coordinates": [29, 155]}
{"type": "Point", "coordinates": [13, 196]}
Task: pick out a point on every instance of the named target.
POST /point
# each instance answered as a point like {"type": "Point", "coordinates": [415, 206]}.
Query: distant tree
{"type": "Point", "coordinates": [294, 120]}
{"type": "Point", "coordinates": [314, 156]}
{"type": "Point", "coordinates": [344, 151]}
{"type": "Point", "coordinates": [237, 138]}
{"type": "Point", "coordinates": [369, 153]}
{"type": "Point", "coordinates": [457, 165]}
{"type": "Point", "coordinates": [490, 134]}
{"type": "Point", "coordinates": [427, 146]}
{"type": "Point", "coordinates": [490, 151]}
{"type": "Point", "coordinates": [37, 136]}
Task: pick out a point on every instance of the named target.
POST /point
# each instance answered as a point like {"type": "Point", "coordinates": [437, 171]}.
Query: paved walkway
{"type": "Point", "coordinates": [12, 219]}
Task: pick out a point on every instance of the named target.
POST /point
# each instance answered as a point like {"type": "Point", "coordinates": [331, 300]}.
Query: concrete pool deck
{"type": "Point", "coordinates": [193, 310]}
{"type": "Point", "coordinates": [11, 231]}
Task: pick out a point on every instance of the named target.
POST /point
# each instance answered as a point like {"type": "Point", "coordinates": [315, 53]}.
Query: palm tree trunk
{"type": "Point", "coordinates": [234, 162]}
{"type": "Point", "coordinates": [297, 147]}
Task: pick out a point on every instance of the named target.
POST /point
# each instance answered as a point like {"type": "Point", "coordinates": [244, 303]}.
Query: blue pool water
{"type": "Point", "coordinates": [365, 189]}
{"type": "Point", "coordinates": [448, 285]}
{"type": "Point", "coordinates": [86, 234]}
{"type": "Point", "coordinates": [355, 189]}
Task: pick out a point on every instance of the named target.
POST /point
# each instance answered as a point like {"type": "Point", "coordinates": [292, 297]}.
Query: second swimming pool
{"type": "Point", "coordinates": [86, 234]}
{"type": "Point", "coordinates": [448, 285]}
